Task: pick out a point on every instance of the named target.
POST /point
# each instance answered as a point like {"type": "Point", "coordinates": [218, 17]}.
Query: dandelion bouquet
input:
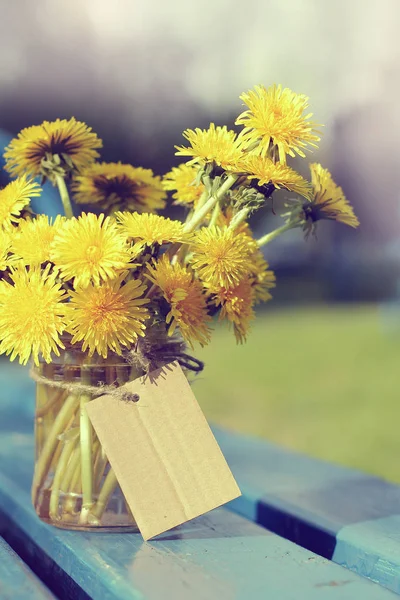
{"type": "Point", "coordinates": [98, 299]}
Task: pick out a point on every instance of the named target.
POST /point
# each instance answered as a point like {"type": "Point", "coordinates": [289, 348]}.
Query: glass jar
{"type": "Point", "coordinates": [74, 486]}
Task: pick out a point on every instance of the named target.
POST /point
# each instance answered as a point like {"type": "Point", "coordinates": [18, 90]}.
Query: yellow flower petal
{"type": "Point", "coordinates": [90, 249]}
{"type": "Point", "coordinates": [237, 306]}
{"type": "Point", "coordinates": [116, 185]}
{"type": "Point", "coordinates": [266, 172]}
{"type": "Point", "coordinates": [71, 140]}
{"type": "Point", "coordinates": [261, 277]}
{"type": "Point", "coordinates": [151, 229]}
{"type": "Point", "coordinates": [186, 300]}
{"type": "Point", "coordinates": [221, 257]}
{"type": "Point", "coordinates": [215, 144]}
{"type": "Point", "coordinates": [32, 240]}
{"type": "Point", "coordinates": [13, 199]}
{"type": "Point", "coordinates": [276, 115]}
{"type": "Point", "coordinates": [5, 244]}
{"type": "Point", "coordinates": [328, 201]}
{"type": "Point", "coordinates": [107, 317]}
{"type": "Point", "coordinates": [32, 313]}
{"type": "Point", "coordinates": [181, 180]}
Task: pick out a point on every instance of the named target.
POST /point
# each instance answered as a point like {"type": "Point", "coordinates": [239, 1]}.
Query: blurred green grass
{"type": "Point", "coordinates": [322, 380]}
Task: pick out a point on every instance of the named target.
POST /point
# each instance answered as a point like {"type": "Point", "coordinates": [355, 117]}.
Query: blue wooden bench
{"type": "Point", "coordinates": [344, 515]}
{"type": "Point", "coordinates": [17, 582]}
{"type": "Point", "coordinates": [220, 555]}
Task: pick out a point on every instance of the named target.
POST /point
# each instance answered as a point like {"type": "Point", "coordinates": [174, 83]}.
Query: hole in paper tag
{"type": "Point", "coordinates": [164, 455]}
{"type": "Point", "coordinates": [129, 397]}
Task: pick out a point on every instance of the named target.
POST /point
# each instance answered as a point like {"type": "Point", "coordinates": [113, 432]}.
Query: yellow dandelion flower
{"type": "Point", "coordinates": [4, 287]}
{"type": "Point", "coordinates": [221, 257]}
{"type": "Point", "coordinates": [151, 229]}
{"type": "Point", "coordinates": [13, 199]}
{"type": "Point", "coordinates": [182, 180]}
{"type": "Point", "coordinates": [115, 185]}
{"type": "Point", "coordinates": [276, 115]}
{"type": "Point", "coordinates": [328, 201]}
{"type": "Point", "coordinates": [5, 244]}
{"type": "Point", "coordinates": [33, 238]}
{"type": "Point", "coordinates": [107, 317]}
{"type": "Point", "coordinates": [237, 306]}
{"type": "Point", "coordinates": [262, 278]}
{"type": "Point", "coordinates": [90, 248]}
{"type": "Point", "coordinates": [66, 144]}
{"type": "Point", "coordinates": [273, 174]}
{"type": "Point", "coordinates": [32, 315]}
{"type": "Point", "coordinates": [215, 144]}
{"type": "Point", "coordinates": [187, 302]}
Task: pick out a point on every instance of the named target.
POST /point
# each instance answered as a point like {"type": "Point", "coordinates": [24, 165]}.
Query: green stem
{"type": "Point", "coordinates": [202, 212]}
{"type": "Point", "coordinates": [176, 248]}
{"type": "Point", "coordinates": [274, 234]}
{"type": "Point", "coordinates": [203, 198]}
{"type": "Point", "coordinates": [71, 476]}
{"type": "Point", "coordinates": [100, 468]}
{"type": "Point", "coordinates": [42, 410]}
{"type": "Point", "coordinates": [109, 485]}
{"type": "Point", "coordinates": [44, 461]}
{"type": "Point", "coordinates": [86, 436]}
{"type": "Point", "coordinates": [75, 485]}
{"type": "Point", "coordinates": [180, 255]}
{"type": "Point", "coordinates": [253, 146]}
{"type": "Point", "coordinates": [96, 457]}
{"type": "Point", "coordinates": [59, 479]}
{"type": "Point", "coordinates": [71, 468]}
{"type": "Point", "coordinates": [65, 199]}
{"type": "Point", "coordinates": [239, 218]}
{"type": "Point", "coordinates": [215, 215]}
{"type": "Point", "coordinates": [40, 425]}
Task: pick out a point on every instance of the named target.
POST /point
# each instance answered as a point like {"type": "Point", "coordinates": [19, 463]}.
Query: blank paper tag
{"type": "Point", "coordinates": [165, 457]}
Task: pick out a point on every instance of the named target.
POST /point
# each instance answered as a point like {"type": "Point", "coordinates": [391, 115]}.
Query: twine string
{"type": "Point", "coordinates": [144, 359]}
{"type": "Point", "coordinates": [77, 389]}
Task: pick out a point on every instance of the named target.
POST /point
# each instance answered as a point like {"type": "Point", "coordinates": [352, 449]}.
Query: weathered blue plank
{"type": "Point", "coordinates": [371, 549]}
{"type": "Point", "coordinates": [220, 555]}
{"type": "Point", "coordinates": [339, 513]}
{"type": "Point", "coordinates": [17, 582]}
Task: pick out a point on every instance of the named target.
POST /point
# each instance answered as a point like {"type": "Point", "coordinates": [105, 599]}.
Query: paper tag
{"type": "Point", "coordinates": [164, 455]}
